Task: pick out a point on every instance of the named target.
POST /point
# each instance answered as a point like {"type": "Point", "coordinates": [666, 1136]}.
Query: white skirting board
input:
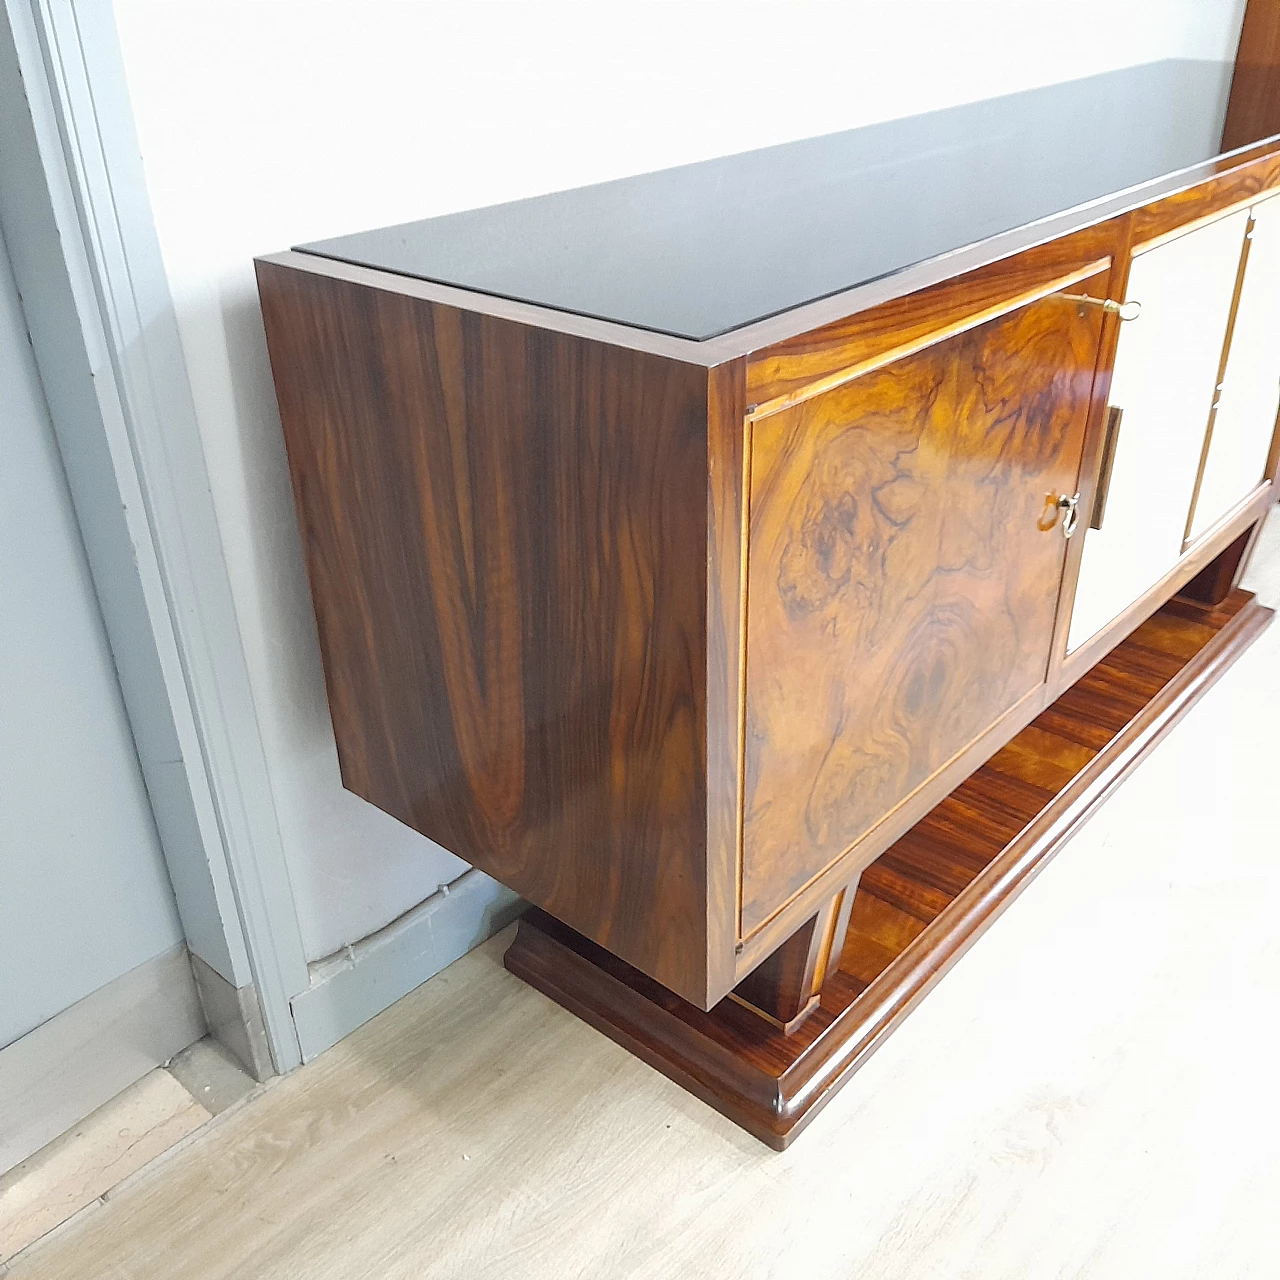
{"type": "Point", "coordinates": [353, 985]}
{"type": "Point", "coordinates": [54, 1076]}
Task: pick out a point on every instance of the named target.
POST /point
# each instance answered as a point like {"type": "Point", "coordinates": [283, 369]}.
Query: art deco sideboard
{"type": "Point", "coordinates": [764, 566]}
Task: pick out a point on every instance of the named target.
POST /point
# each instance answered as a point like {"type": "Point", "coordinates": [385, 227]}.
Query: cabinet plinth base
{"type": "Point", "coordinates": [921, 904]}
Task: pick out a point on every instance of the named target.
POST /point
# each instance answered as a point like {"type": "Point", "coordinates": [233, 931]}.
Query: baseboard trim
{"type": "Point", "coordinates": [235, 1020]}
{"type": "Point", "coordinates": [353, 985]}
{"type": "Point", "coordinates": [67, 1067]}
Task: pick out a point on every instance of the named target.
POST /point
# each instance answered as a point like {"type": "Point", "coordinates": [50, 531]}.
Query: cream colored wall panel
{"type": "Point", "coordinates": [1165, 375]}
{"type": "Point", "coordinates": [1251, 388]}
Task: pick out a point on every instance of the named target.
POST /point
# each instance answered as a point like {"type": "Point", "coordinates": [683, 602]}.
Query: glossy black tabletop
{"type": "Point", "coordinates": [705, 248]}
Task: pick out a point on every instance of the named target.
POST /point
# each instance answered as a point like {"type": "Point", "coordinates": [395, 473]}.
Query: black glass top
{"type": "Point", "coordinates": [705, 248]}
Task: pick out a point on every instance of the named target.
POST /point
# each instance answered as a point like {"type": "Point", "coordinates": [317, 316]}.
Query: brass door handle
{"type": "Point", "coordinates": [1106, 465]}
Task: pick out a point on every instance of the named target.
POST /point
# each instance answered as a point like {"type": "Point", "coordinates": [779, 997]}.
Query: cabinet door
{"type": "Point", "coordinates": [1250, 396]}
{"type": "Point", "coordinates": [1165, 374]}
{"type": "Point", "coordinates": [904, 566]}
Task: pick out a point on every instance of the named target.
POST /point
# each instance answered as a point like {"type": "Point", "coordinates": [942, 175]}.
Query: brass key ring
{"type": "Point", "coordinates": [1130, 310]}
{"type": "Point", "coordinates": [1070, 508]}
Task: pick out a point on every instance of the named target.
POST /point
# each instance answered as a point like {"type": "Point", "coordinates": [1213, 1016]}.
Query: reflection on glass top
{"type": "Point", "coordinates": [705, 248]}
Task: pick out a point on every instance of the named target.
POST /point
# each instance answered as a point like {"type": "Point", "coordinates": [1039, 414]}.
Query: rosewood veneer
{"type": "Point", "coordinates": [763, 566]}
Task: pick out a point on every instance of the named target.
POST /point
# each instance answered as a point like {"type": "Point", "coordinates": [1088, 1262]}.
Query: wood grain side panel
{"type": "Point", "coordinates": [905, 564]}
{"type": "Point", "coordinates": [505, 532]}
{"type": "Point", "coordinates": [780, 372]}
{"type": "Point", "coordinates": [1253, 109]}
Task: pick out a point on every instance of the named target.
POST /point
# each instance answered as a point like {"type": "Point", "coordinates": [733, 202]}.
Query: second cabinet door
{"type": "Point", "coordinates": [1165, 374]}
{"type": "Point", "coordinates": [904, 567]}
{"type": "Point", "coordinates": [1250, 396]}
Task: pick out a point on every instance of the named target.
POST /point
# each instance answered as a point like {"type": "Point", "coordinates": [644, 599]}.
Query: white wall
{"type": "Point", "coordinates": [84, 895]}
{"type": "Point", "coordinates": [265, 123]}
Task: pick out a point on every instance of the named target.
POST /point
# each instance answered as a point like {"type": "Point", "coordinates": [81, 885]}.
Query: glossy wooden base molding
{"type": "Point", "coordinates": [921, 904]}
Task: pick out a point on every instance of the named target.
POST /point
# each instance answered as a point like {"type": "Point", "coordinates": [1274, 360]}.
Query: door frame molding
{"type": "Point", "coordinates": [85, 252]}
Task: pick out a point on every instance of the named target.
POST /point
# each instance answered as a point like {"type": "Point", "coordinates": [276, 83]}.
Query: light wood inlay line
{"type": "Point", "coordinates": [918, 342]}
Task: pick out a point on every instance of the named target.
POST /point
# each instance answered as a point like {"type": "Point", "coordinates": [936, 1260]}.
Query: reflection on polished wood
{"type": "Point", "coordinates": [905, 559]}
{"type": "Point", "coordinates": [1239, 183]}
{"type": "Point", "coordinates": [922, 903]}
{"type": "Point", "coordinates": [499, 525]}
{"type": "Point", "coordinates": [801, 366]}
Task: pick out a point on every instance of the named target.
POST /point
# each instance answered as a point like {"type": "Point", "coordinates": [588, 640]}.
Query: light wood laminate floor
{"type": "Point", "coordinates": [94, 1156]}
{"type": "Point", "coordinates": [1091, 1093]}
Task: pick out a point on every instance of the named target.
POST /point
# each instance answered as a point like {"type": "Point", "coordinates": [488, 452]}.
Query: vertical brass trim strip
{"type": "Point", "coordinates": [1222, 373]}
{"type": "Point", "coordinates": [748, 431]}
{"type": "Point", "coordinates": [1117, 285]}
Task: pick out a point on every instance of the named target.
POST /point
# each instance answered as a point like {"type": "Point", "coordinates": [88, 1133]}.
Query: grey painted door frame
{"type": "Point", "coordinates": [75, 216]}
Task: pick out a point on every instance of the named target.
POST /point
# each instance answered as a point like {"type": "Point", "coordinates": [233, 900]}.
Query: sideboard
{"type": "Point", "coordinates": [764, 566]}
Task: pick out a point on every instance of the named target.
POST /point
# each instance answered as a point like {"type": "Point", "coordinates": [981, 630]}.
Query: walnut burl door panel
{"type": "Point", "coordinates": [904, 566]}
